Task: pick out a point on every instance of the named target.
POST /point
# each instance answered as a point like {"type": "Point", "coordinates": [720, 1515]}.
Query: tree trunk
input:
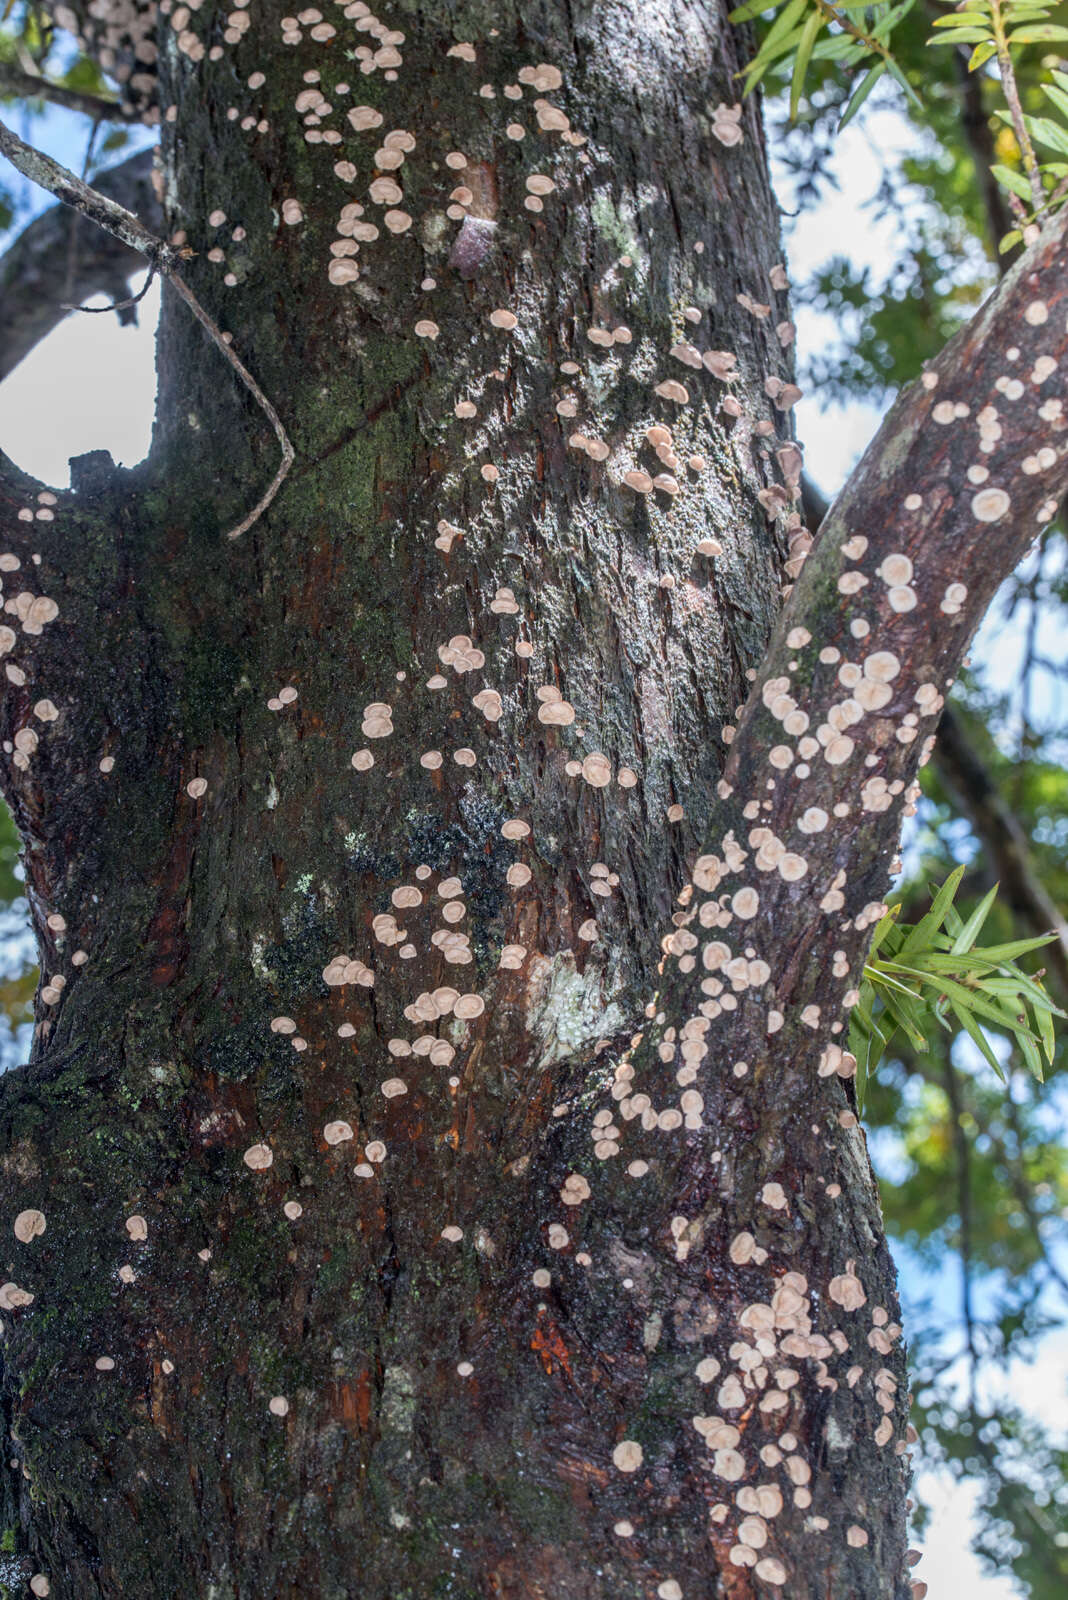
{"type": "Point", "coordinates": [376, 826]}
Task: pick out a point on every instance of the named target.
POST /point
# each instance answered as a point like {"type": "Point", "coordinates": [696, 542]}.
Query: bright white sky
{"type": "Point", "coordinates": [90, 386]}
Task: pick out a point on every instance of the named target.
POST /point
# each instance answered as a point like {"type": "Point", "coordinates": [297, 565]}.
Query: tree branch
{"type": "Point", "coordinates": [66, 186]}
{"type": "Point", "coordinates": [131, 231]}
{"type": "Point", "coordinates": [958, 481]}
{"type": "Point", "coordinates": [761, 968]}
{"type": "Point", "coordinates": [39, 272]}
{"type": "Point", "coordinates": [30, 85]}
{"type": "Point", "coordinates": [977, 796]}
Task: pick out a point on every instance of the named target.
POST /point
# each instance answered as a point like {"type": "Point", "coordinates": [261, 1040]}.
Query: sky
{"type": "Point", "coordinates": [94, 382]}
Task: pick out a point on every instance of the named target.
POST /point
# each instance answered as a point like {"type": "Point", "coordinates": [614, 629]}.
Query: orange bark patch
{"type": "Point", "coordinates": [548, 1345]}
{"type": "Point", "coordinates": [350, 1403]}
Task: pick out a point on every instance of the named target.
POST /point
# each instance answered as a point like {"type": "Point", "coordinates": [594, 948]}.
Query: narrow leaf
{"type": "Point", "coordinates": [977, 1036]}
{"type": "Point", "coordinates": [941, 903]}
{"type": "Point", "coordinates": [960, 19]}
{"type": "Point", "coordinates": [1015, 181]}
{"type": "Point", "coordinates": [857, 99]}
{"type": "Point", "coordinates": [784, 23]}
{"type": "Point", "coordinates": [962, 36]}
{"type": "Point", "coordinates": [1057, 95]}
{"type": "Point", "coordinates": [1040, 33]}
{"type": "Point", "coordinates": [804, 51]}
{"type": "Point", "coordinates": [1030, 1053]}
{"type": "Point", "coordinates": [973, 927]}
{"type": "Point", "coordinates": [998, 953]}
{"type": "Point", "coordinates": [899, 77]}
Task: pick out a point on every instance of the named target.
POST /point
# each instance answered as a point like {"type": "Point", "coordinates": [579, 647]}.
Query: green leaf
{"type": "Point", "coordinates": [858, 97]}
{"type": "Point", "coordinates": [1048, 132]}
{"type": "Point", "coordinates": [804, 51]}
{"type": "Point", "coordinates": [784, 23]}
{"type": "Point", "coordinates": [900, 78]}
{"type": "Point", "coordinates": [1009, 240]}
{"type": "Point", "coordinates": [981, 55]}
{"type": "Point", "coordinates": [1057, 95]}
{"type": "Point", "coordinates": [1019, 985]}
{"type": "Point", "coordinates": [977, 1036]}
{"type": "Point", "coordinates": [940, 905]}
{"type": "Point", "coordinates": [753, 8]}
{"type": "Point", "coordinates": [973, 927]}
{"type": "Point", "coordinates": [962, 36]}
{"type": "Point", "coordinates": [1006, 1020]}
{"type": "Point", "coordinates": [766, 58]}
{"type": "Point", "coordinates": [1029, 1051]}
{"type": "Point", "coordinates": [998, 953]}
{"type": "Point", "coordinates": [840, 47]}
{"type": "Point", "coordinates": [1041, 33]}
{"type": "Point", "coordinates": [885, 26]}
{"type": "Point", "coordinates": [1044, 1022]}
{"type": "Point", "coordinates": [883, 928]}
{"type": "Point", "coordinates": [962, 19]}
{"type": "Point", "coordinates": [1015, 181]}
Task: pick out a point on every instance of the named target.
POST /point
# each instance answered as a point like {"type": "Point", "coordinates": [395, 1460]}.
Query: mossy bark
{"type": "Point", "coordinates": [451, 1418]}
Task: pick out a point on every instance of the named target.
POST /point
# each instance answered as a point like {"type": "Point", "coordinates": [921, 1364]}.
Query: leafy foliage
{"type": "Point", "coordinates": [851, 33]}
{"type": "Point", "coordinates": [918, 977]}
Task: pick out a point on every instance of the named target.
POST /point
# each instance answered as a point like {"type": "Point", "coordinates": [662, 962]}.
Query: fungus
{"type": "Point", "coordinates": [29, 1225]}
{"type": "Point", "coordinates": [847, 1289]}
{"type": "Point", "coordinates": [337, 1132]}
{"type": "Point", "coordinates": [627, 1455]}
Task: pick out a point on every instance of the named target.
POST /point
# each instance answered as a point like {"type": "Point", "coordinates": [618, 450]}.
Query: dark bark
{"type": "Point", "coordinates": [61, 259]}
{"type": "Point", "coordinates": [642, 1368]}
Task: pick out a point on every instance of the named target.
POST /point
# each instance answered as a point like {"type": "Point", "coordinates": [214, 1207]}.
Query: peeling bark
{"type": "Point", "coordinates": [488, 1277]}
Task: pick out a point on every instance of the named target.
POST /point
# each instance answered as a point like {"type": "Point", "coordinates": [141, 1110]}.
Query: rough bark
{"type": "Point", "coordinates": [1008, 858]}
{"type": "Point", "coordinates": [60, 259]}
{"type": "Point", "coordinates": [454, 1329]}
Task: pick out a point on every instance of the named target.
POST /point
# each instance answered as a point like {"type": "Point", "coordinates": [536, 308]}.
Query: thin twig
{"type": "Point", "coordinates": [123, 225]}
{"type": "Point", "coordinates": [1012, 96]}
{"type": "Point", "coordinates": [13, 80]}
{"type": "Point", "coordinates": [120, 305]}
{"type": "Point", "coordinates": [288, 453]}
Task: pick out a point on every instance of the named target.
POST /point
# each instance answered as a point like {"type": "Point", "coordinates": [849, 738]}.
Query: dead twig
{"type": "Point", "coordinates": [163, 258]}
